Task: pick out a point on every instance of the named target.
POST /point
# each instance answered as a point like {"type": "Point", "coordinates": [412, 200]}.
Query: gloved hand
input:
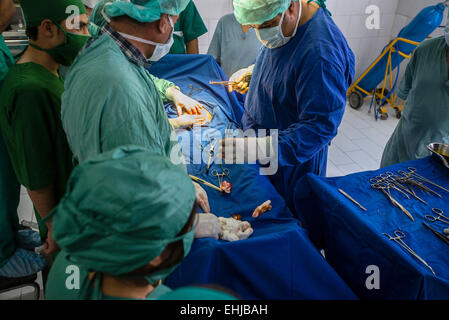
{"type": "Point", "coordinates": [233, 230]}
{"type": "Point", "coordinates": [246, 150]}
{"type": "Point", "coordinates": [201, 198]}
{"type": "Point", "coordinates": [183, 103]}
{"type": "Point", "coordinates": [186, 121]}
{"type": "Point", "coordinates": [206, 225]}
{"type": "Point", "coordinates": [243, 78]}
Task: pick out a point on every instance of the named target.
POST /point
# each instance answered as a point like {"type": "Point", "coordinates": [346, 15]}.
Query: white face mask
{"type": "Point", "coordinates": [161, 49]}
{"type": "Point", "coordinates": [274, 37]}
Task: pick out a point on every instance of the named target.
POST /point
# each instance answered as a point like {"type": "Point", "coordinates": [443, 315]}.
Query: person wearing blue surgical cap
{"type": "Point", "coordinates": [298, 86]}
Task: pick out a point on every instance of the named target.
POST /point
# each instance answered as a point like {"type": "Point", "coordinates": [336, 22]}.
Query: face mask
{"type": "Point", "coordinates": [187, 240]}
{"type": "Point", "coordinates": [274, 37]}
{"type": "Point", "coordinates": [161, 49]}
{"type": "Point", "coordinates": [66, 52]}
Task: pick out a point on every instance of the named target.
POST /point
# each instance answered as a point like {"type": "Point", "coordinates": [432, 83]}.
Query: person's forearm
{"type": "Point", "coordinates": [192, 47]}
{"type": "Point", "coordinates": [7, 11]}
{"type": "Point", "coordinates": [44, 200]}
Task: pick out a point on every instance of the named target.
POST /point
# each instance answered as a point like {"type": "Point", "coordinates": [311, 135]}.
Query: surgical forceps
{"type": "Point", "coordinates": [398, 238]}
{"type": "Point", "coordinates": [399, 183]}
{"type": "Point", "coordinates": [385, 189]}
{"type": "Point", "coordinates": [193, 89]}
{"type": "Point", "coordinates": [412, 172]}
{"type": "Point", "coordinates": [211, 155]}
{"type": "Point", "coordinates": [439, 216]}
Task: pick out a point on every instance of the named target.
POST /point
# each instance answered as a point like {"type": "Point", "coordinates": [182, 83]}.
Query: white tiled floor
{"type": "Point", "coordinates": [357, 147]}
{"type": "Point", "coordinates": [360, 142]}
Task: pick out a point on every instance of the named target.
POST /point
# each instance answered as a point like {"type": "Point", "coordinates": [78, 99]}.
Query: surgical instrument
{"type": "Point", "coordinates": [398, 238]}
{"type": "Point", "coordinates": [383, 187]}
{"type": "Point", "coordinates": [412, 171]}
{"type": "Point", "coordinates": [352, 199]}
{"type": "Point", "coordinates": [439, 216]}
{"type": "Point", "coordinates": [199, 180]}
{"type": "Point", "coordinates": [436, 233]}
{"type": "Point", "coordinates": [211, 154]}
{"type": "Point", "coordinates": [220, 176]}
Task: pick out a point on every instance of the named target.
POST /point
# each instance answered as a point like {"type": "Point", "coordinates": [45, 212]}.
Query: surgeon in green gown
{"type": "Point", "coordinates": [111, 99]}
{"type": "Point", "coordinates": [425, 118]}
{"type": "Point", "coordinates": [121, 231]}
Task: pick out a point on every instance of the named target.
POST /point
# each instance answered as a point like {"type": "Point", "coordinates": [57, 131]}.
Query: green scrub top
{"type": "Point", "coordinates": [9, 186]}
{"type": "Point", "coordinates": [69, 281]}
{"type": "Point", "coordinates": [188, 27]}
{"type": "Point", "coordinates": [30, 114]}
{"type": "Point", "coordinates": [425, 118]}
{"type": "Point", "coordinates": [110, 102]}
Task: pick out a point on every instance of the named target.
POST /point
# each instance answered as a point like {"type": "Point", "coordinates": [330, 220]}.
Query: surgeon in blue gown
{"type": "Point", "coordinates": [298, 86]}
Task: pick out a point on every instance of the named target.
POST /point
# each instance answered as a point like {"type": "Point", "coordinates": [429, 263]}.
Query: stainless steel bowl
{"type": "Point", "coordinates": [440, 151]}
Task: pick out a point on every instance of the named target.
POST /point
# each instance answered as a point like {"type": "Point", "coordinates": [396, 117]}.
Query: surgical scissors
{"type": "Point", "coordinates": [398, 238]}
{"type": "Point", "coordinates": [211, 154]}
{"type": "Point", "coordinates": [384, 187]}
{"type": "Point", "coordinates": [439, 216]}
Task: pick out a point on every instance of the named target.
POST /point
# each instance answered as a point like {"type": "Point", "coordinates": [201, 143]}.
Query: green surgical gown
{"type": "Point", "coordinates": [425, 118]}
{"type": "Point", "coordinates": [30, 120]}
{"type": "Point", "coordinates": [9, 186]}
{"type": "Point", "coordinates": [109, 102]}
{"type": "Point", "coordinates": [188, 27]}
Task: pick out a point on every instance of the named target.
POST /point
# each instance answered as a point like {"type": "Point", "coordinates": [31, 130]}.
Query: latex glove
{"type": "Point", "coordinates": [233, 230]}
{"type": "Point", "coordinates": [206, 225]}
{"type": "Point", "coordinates": [243, 77]}
{"type": "Point", "coordinates": [186, 121]}
{"type": "Point", "coordinates": [201, 198]}
{"type": "Point", "coordinates": [183, 103]}
{"type": "Point", "coordinates": [246, 150]}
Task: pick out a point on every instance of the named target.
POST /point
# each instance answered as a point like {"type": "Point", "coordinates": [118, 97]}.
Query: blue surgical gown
{"type": "Point", "coordinates": [425, 118]}
{"type": "Point", "coordinates": [300, 89]}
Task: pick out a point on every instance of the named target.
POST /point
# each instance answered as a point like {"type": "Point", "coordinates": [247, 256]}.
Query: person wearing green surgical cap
{"type": "Point", "coordinates": [31, 103]}
{"type": "Point", "coordinates": [119, 227]}
{"type": "Point", "coordinates": [112, 100]}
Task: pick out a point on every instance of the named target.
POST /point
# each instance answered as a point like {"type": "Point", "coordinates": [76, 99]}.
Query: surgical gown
{"type": "Point", "coordinates": [300, 89]}
{"type": "Point", "coordinates": [9, 186]}
{"type": "Point", "coordinates": [110, 102]}
{"type": "Point", "coordinates": [425, 118]}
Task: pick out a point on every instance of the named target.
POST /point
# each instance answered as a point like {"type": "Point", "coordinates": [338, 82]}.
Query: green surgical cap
{"type": "Point", "coordinates": [144, 10]}
{"type": "Point", "coordinates": [35, 11]}
{"type": "Point", "coordinates": [121, 209]}
{"type": "Point", "coordinates": [259, 11]}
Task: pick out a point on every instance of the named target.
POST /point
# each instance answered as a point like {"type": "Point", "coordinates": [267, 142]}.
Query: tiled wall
{"type": "Point", "coordinates": [349, 15]}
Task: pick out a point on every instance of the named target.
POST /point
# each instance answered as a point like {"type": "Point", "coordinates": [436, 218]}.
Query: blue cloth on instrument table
{"type": "Point", "coordinates": [278, 261]}
{"type": "Point", "coordinates": [300, 89]}
{"type": "Point", "coordinates": [353, 239]}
